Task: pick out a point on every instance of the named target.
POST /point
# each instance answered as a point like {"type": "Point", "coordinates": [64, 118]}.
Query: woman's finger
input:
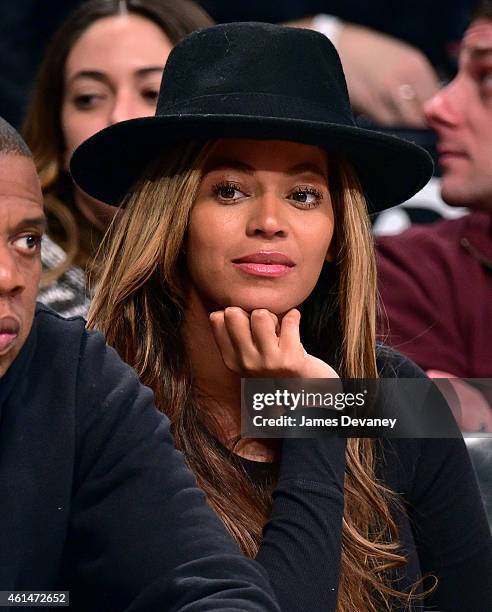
{"type": "Point", "coordinates": [290, 338]}
{"type": "Point", "coordinates": [263, 330]}
{"type": "Point", "coordinates": [237, 324]}
{"type": "Point", "coordinates": [223, 340]}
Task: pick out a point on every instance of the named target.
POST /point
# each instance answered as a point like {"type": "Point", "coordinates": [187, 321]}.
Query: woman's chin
{"type": "Point", "coordinates": [276, 307]}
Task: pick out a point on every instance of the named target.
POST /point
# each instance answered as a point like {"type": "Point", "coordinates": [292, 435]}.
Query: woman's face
{"type": "Point", "coordinates": [261, 226]}
{"type": "Point", "coordinates": [112, 73]}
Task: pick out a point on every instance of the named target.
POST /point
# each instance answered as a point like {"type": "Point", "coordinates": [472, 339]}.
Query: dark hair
{"type": "Point", "coordinates": [42, 126]}
{"type": "Point", "coordinates": [483, 10]}
{"type": "Point", "coordinates": [11, 142]}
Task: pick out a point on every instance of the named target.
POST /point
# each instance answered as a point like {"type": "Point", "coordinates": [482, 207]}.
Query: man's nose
{"type": "Point", "coordinates": [445, 106]}
{"type": "Point", "coordinates": [11, 277]}
{"type": "Point", "coordinates": [268, 217]}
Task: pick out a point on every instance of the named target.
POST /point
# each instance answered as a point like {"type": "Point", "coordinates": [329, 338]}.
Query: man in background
{"type": "Point", "coordinates": [436, 280]}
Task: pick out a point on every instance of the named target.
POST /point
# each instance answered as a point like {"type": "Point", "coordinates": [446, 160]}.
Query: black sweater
{"type": "Point", "coordinates": [94, 498]}
{"type": "Point", "coordinates": [443, 527]}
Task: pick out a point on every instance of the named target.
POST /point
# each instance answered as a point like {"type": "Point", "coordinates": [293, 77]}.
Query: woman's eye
{"type": "Point", "coordinates": [150, 95]}
{"type": "Point", "coordinates": [28, 243]}
{"type": "Point", "coordinates": [307, 197]}
{"type": "Point", "coordinates": [227, 192]}
{"type": "Point", "coordinates": [87, 101]}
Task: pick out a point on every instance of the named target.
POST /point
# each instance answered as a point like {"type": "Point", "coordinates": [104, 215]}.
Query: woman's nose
{"type": "Point", "coordinates": [126, 106]}
{"type": "Point", "coordinates": [268, 217]}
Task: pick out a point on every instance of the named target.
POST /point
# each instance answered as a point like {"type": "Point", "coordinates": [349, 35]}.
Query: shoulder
{"type": "Point", "coordinates": [426, 234]}
{"type": "Point", "coordinates": [392, 364]}
{"type": "Point", "coordinates": [425, 466]}
{"type": "Point", "coordinates": [423, 250]}
{"type": "Point", "coordinates": [56, 331]}
{"type": "Point", "coordinates": [78, 356]}
{"type": "Point", "coordinates": [417, 467]}
{"type": "Point", "coordinates": [69, 360]}
{"type": "Point", "coordinates": [411, 464]}
{"type": "Point", "coordinates": [422, 264]}
{"type": "Point", "coordinates": [82, 376]}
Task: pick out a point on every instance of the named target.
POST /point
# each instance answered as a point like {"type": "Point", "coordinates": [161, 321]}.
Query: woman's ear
{"type": "Point", "coordinates": [66, 160]}
{"type": "Point", "coordinates": [330, 253]}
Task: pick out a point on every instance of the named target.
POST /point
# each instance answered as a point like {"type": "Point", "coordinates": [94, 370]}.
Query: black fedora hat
{"type": "Point", "coordinates": [252, 80]}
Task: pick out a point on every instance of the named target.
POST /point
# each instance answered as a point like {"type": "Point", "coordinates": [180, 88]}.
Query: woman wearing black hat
{"type": "Point", "coordinates": [246, 205]}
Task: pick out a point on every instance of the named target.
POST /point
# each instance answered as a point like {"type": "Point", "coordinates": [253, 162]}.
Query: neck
{"type": "Point", "coordinates": [218, 386]}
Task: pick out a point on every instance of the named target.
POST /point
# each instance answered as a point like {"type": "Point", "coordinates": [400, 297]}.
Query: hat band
{"type": "Point", "coordinates": [257, 105]}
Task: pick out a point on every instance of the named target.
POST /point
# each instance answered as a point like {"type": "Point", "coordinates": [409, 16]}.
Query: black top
{"type": "Point", "coordinates": [443, 528]}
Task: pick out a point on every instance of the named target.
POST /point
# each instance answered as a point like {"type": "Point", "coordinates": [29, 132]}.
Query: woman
{"type": "Point", "coordinates": [96, 72]}
{"type": "Point", "coordinates": [246, 206]}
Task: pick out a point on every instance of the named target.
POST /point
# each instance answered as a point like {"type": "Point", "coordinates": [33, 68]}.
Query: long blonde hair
{"type": "Point", "coordinates": [139, 306]}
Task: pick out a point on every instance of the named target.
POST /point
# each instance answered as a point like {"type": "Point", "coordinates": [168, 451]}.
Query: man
{"type": "Point", "coordinates": [436, 280]}
{"type": "Point", "coordinates": [94, 498]}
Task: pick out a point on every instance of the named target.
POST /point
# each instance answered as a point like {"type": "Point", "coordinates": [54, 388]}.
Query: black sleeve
{"type": "Point", "coordinates": [141, 535]}
{"type": "Point", "coordinates": [302, 542]}
{"type": "Point", "coordinates": [450, 527]}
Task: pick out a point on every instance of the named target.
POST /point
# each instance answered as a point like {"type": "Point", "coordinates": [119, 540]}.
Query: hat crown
{"type": "Point", "coordinates": [290, 72]}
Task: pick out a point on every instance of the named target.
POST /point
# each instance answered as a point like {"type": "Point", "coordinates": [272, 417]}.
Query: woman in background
{"type": "Point", "coordinates": [104, 65]}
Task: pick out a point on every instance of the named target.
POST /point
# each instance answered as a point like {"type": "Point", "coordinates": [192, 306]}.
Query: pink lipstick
{"type": "Point", "coordinates": [270, 264]}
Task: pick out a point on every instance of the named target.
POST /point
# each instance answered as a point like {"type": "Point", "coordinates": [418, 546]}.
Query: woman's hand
{"type": "Point", "coordinates": [255, 345]}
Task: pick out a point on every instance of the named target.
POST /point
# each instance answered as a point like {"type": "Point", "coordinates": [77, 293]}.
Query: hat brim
{"type": "Point", "coordinates": [105, 166]}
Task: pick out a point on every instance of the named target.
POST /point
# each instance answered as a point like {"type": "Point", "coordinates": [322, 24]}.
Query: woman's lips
{"type": "Point", "coordinates": [265, 263]}
{"type": "Point", "coordinates": [9, 330]}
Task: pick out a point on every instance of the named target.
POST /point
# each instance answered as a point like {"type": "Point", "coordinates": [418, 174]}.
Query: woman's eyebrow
{"type": "Point", "coordinates": [96, 75]}
{"type": "Point", "coordinates": [141, 72]}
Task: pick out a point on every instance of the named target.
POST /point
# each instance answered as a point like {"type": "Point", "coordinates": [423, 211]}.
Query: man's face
{"type": "Point", "coordinates": [22, 223]}
{"type": "Point", "coordinates": [461, 115]}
